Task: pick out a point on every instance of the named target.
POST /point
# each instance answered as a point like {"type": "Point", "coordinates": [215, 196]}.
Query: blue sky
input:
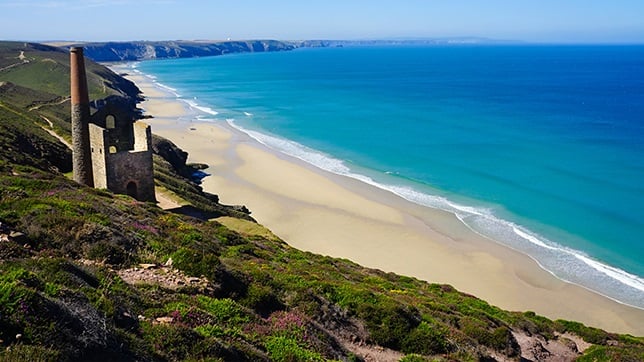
{"type": "Point", "coordinates": [559, 21]}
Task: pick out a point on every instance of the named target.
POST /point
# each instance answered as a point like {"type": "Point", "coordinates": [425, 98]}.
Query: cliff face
{"type": "Point", "coordinates": [130, 51]}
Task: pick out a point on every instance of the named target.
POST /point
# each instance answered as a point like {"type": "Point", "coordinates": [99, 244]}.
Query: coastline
{"type": "Point", "coordinates": [329, 214]}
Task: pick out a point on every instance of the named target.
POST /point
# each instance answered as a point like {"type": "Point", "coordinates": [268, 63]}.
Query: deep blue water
{"type": "Point", "coordinates": [538, 147]}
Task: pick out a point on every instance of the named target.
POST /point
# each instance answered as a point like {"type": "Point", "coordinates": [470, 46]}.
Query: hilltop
{"type": "Point", "coordinates": [89, 275]}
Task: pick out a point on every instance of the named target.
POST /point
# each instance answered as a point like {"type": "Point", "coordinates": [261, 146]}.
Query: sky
{"type": "Point", "coordinates": [542, 21]}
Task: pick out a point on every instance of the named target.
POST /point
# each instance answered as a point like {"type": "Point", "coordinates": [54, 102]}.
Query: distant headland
{"type": "Point", "coordinates": [147, 50]}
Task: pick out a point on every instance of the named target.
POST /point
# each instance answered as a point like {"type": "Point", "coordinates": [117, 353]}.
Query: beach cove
{"type": "Point", "coordinates": [329, 214]}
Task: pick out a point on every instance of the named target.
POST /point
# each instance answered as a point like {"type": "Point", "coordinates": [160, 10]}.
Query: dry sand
{"type": "Point", "coordinates": [333, 215]}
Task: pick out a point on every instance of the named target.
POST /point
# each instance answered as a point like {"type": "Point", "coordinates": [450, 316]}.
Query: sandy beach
{"type": "Point", "coordinates": [332, 215]}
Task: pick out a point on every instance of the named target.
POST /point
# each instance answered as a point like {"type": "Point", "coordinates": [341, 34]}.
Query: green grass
{"type": "Point", "coordinates": [47, 70]}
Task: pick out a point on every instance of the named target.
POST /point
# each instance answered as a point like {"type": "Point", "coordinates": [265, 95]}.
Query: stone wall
{"type": "Point", "coordinates": [127, 172]}
{"type": "Point", "coordinates": [99, 148]}
{"type": "Point", "coordinates": [131, 173]}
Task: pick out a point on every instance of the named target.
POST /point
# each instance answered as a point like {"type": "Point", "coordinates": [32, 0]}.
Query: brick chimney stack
{"type": "Point", "coordinates": [81, 150]}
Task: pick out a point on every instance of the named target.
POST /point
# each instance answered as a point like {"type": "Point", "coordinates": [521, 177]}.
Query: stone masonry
{"type": "Point", "coordinates": [110, 149]}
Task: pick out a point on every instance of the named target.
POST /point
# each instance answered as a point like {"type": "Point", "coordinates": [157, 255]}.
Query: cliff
{"type": "Point", "coordinates": [144, 50]}
{"type": "Point", "coordinates": [89, 275]}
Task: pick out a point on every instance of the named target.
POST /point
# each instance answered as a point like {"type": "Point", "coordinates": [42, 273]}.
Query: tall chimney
{"type": "Point", "coordinates": [81, 150]}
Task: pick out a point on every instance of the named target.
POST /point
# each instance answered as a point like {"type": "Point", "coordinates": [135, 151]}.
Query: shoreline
{"type": "Point", "coordinates": [329, 214]}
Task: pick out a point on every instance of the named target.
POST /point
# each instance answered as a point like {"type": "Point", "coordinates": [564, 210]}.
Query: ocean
{"type": "Point", "coordinates": [540, 148]}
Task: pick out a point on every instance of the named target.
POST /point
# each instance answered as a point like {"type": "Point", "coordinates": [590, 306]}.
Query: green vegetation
{"type": "Point", "coordinates": [69, 254]}
{"type": "Point", "coordinates": [43, 68]}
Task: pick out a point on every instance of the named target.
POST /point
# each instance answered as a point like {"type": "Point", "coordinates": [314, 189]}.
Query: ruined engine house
{"type": "Point", "coordinates": [110, 149]}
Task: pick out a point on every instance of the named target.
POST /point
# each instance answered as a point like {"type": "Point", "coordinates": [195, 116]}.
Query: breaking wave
{"type": "Point", "coordinates": [564, 263]}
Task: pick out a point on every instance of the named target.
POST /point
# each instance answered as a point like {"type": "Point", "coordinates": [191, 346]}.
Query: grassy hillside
{"type": "Point", "coordinates": [40, 67]}
{"type": "Point", "coordinates": [89, 275]}
{"type": "Point", "coordinates": [22, 133]}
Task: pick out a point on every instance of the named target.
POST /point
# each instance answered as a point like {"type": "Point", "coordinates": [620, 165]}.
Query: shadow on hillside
{"type": "Point", "coordinates": [195, 212]}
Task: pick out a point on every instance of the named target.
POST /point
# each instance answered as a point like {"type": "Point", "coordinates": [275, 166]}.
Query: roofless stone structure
{"type": "Point", "coordinates": [110, 149]}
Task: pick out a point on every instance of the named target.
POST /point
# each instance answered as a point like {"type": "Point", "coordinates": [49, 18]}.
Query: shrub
{"type": "Point", "coordinates": [426, 339]}
{"type": "Point", "coordinates": [413, 358]}
{"type": "Point", "coordinates": [282, 348]}
{"type": "Point", "coordinates": [195, 262]}
{"type": "Point", "coordinates": [500, 339]}
{"type": "Point", "coordinates": [224, 310]}
{"type": "Point", "coordinates": [171, 341]}
{"type": "Point", "coordinates": [612, 354]}
{"type": "Point", "coordinates": [289, 324]}
{"type": "Point", "coordinates": [262, 299]}
{"type": "Point", "coordinates": [107, 252]}
{"type": "Point", "coordinates": [589, 334]}
{"type": "Point", "coordinates": [388, 323]}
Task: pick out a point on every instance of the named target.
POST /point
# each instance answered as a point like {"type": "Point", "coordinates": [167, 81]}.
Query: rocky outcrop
{"type": "Point", "coordinates": [171, 153]}
{"type": "Point", "coordinates": [131, 51]}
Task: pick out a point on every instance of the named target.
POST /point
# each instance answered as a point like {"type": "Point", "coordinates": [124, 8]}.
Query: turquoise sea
{"type": "Point", "coordinates": [540, 148]}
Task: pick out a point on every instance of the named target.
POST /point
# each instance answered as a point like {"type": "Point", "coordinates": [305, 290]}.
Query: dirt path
{"type": "Point", "coordinates": [51, 132]}
{"type": "Point", "coordinates": [49, 104]}
{"type": "Point", "coordinates": [166, 201]}
{"type": "Point", "coordinates": [21, 57]}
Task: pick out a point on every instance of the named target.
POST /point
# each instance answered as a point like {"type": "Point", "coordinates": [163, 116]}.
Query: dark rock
{"type": "Point", "coordinates": [241, 208]}
{"type": "Point", "coordinates": [171, 153]}
{"type": "Point", "coordinates": [123, 319]}
{"type": "Point", "coordinates": [212, 197]}
{"type": "Point", "coordinates": [18, 237]}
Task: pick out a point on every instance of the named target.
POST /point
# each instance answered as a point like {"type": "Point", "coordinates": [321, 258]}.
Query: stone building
{"type": "Point", "coordinates": [110, 149]}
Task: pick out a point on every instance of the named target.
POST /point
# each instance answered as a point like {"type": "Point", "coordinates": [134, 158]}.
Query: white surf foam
{"type": "Point", "coordinates": [204, 109]}
{"type": "Point", "coordinates": [627, 278]}
{"type": "Point", "coordinates": [564, 263]}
